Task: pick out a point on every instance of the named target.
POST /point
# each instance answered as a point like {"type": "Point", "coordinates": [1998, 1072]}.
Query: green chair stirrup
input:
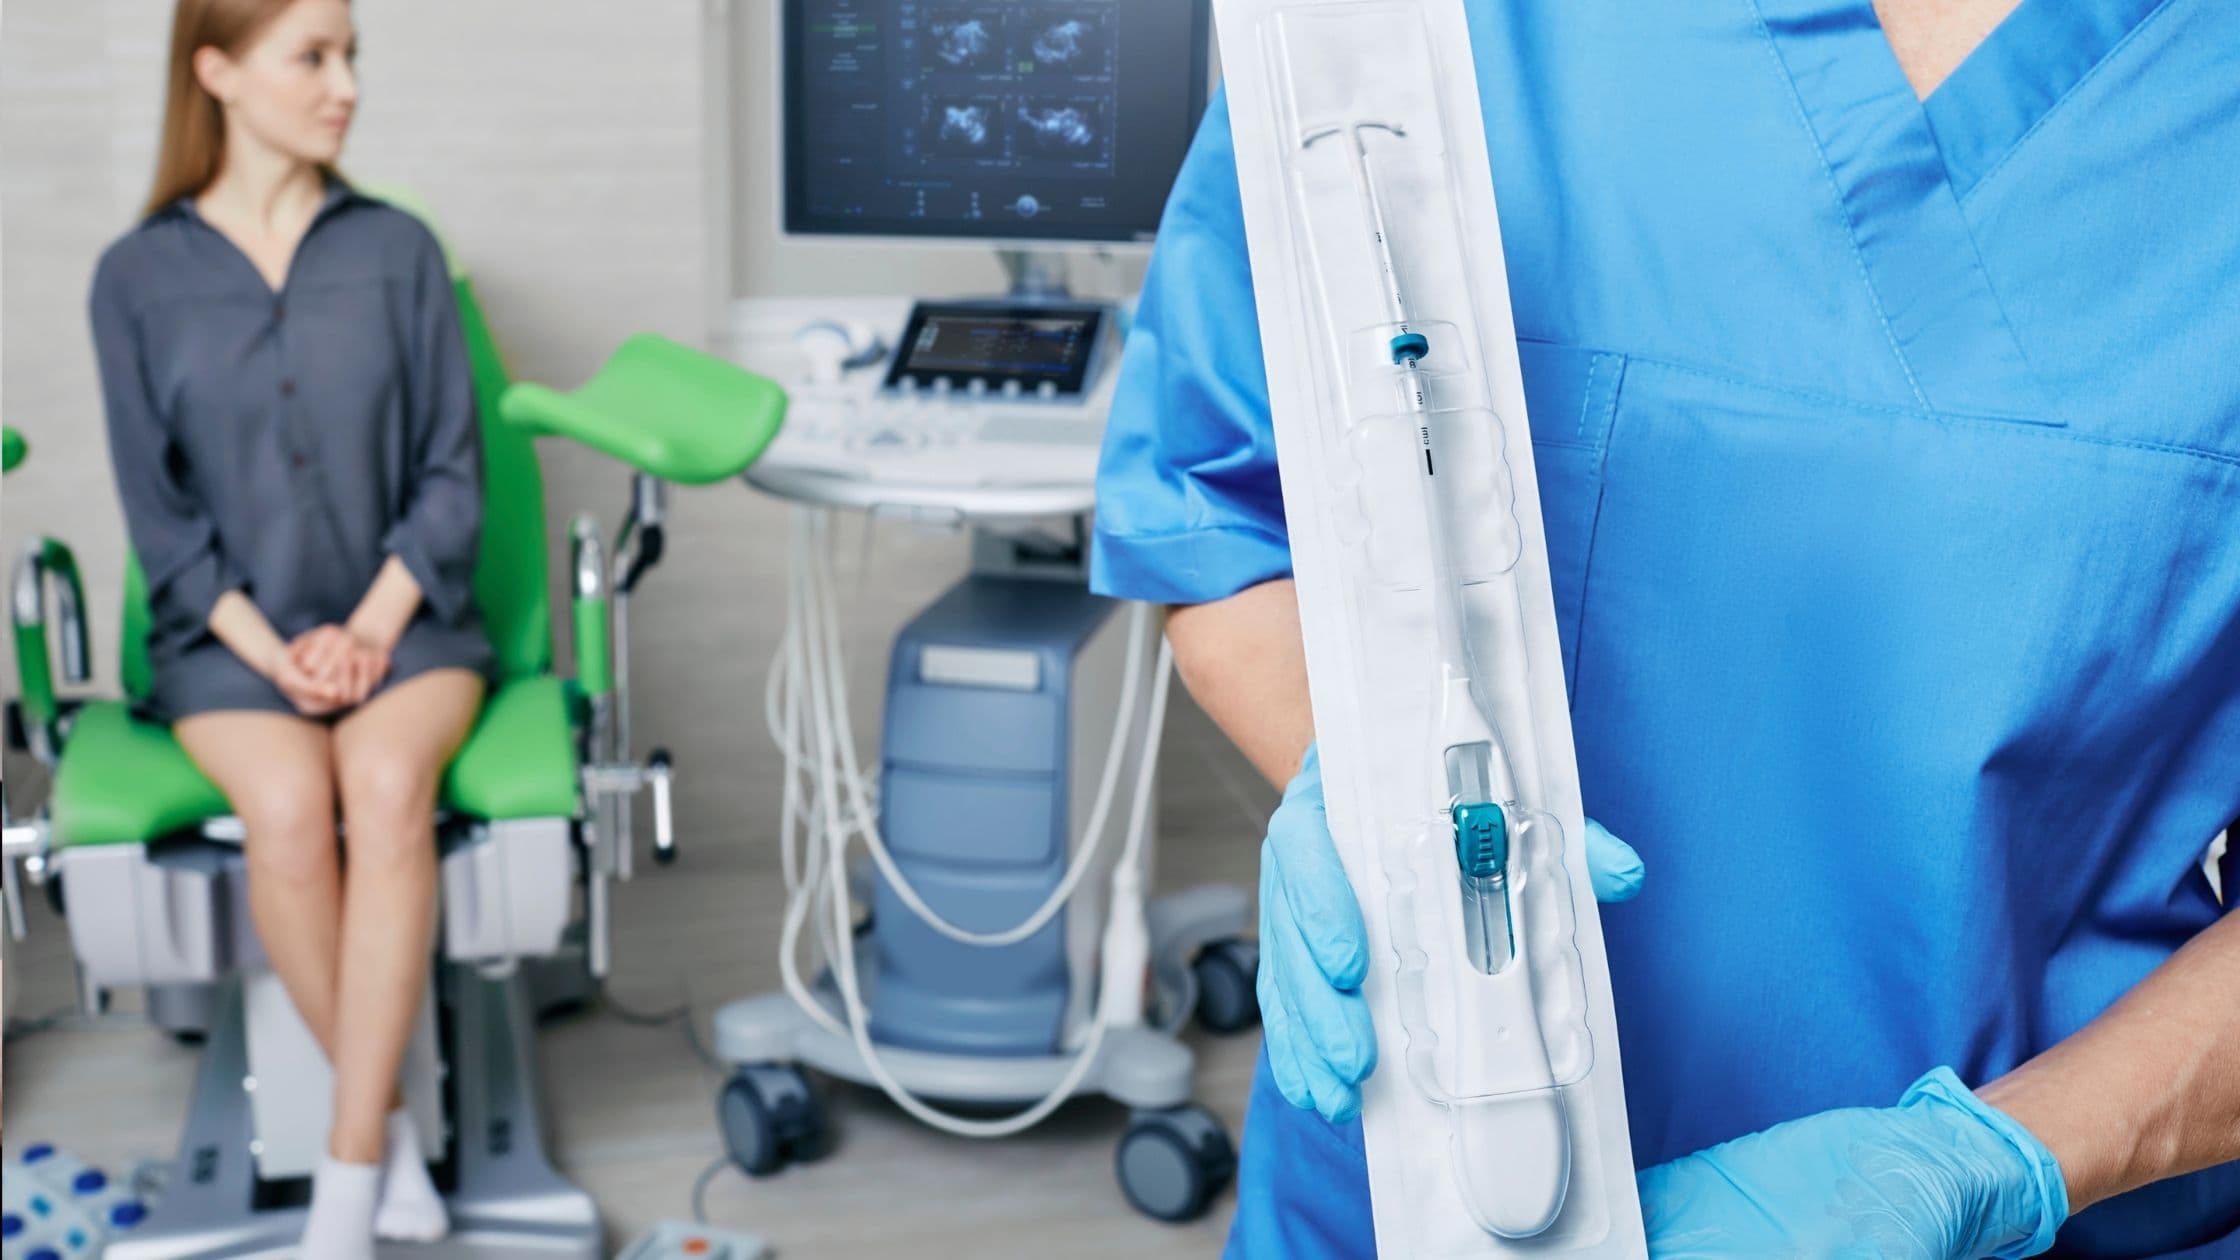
{"type": "Point", "coordinates": [672, 411]}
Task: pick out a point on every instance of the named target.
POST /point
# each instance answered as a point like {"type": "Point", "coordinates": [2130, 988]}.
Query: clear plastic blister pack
{"type": "Point", "coordinates": [1495, 1122]}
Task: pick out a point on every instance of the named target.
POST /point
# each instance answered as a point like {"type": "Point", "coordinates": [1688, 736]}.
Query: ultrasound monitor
{"type": "Point", "coordinates": [1017, 123]}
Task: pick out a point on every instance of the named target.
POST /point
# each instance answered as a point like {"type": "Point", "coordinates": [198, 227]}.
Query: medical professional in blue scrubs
{"type": "Point", "coordinates": [1884, 376]}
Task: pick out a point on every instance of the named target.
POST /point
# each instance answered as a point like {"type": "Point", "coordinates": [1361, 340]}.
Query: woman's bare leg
{"type": "Point", "coordinates": [389, 759]}
{"type": "Point", "coordinates": [277, 772]}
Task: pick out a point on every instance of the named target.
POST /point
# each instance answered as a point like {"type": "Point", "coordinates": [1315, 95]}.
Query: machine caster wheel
{"type": "Point", "coordinates": [770, 1118]}
{"type": "Point", "coordinates": [1172, 1163]}
{"type": "Point", "coordinates": [1226, 971]}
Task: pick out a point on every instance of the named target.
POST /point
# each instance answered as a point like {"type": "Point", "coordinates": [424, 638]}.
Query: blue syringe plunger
{"type": "Point", "coordinates": [1481, 850]}
{"type": "Point", "coordinates": [1481, 840]}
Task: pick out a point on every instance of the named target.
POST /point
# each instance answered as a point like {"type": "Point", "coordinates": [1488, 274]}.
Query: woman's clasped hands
{"type": "Point", "coordinates": [328, 669]}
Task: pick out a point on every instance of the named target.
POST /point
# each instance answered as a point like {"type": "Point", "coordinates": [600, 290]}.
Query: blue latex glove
{"type": "Point", "coordinates": [1940, 1176]}
{"type": "Point", "coordinates": [1314, 949]}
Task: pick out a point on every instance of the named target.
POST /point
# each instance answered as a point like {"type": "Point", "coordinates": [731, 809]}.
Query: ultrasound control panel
{"type": "Point", "coordinates": [1001, 349]}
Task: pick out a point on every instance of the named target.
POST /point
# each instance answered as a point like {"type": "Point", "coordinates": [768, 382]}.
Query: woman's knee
{"type": "Point", "coordinates": [388, 797]}
{"type": "Point", "coordinates": [289, 825]}
{"type": "Point", "coordinates": [285, 805]}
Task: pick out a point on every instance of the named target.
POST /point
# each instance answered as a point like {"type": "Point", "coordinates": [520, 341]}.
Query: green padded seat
{"type": "Point", "coordinates": [667, 409]}
{"type": "Point", "coordinates": [520, 762]}
{"type": "Point", "coordinates": [12, 450]}
{"type": "Point", "coordinates": [124, 781]}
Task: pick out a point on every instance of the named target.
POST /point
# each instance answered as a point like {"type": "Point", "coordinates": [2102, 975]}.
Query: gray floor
{"type": "Point", "coordinates": [630, 1107]}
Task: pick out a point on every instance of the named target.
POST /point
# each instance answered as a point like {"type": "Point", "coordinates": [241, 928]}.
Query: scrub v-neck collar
{"type": "Point", "coordinates": [1902, 205]}
{"type": "Point", "coordinates": [2029, 63]}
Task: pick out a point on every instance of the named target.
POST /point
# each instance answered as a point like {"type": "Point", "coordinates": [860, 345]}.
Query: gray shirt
{"type": "Point", "coordinates": [286, 443]}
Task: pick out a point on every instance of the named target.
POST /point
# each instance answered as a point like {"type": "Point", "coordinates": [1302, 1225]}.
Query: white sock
{"type": "Point", "coordinates": [411, 1209]}
{"type": "Point", "coordinates": [341, 1222]}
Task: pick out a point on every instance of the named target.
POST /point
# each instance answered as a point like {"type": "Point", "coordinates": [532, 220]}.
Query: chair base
{"type": "Point", "coordinates": [507, 1200]}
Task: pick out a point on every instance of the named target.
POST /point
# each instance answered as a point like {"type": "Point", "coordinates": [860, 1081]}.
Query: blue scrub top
{"type": "Point", "coordinates": [1890, 456]}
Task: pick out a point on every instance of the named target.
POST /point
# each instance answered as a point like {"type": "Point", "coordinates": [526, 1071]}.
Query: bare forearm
{"type": "Point", "coordinates": [1245, 663]}
{"type": "Point", "coordinates": [2149, 1090]}
{"type": "Point", "coordinates": [241, 625]}
{"type": "Point", "coordinates": [388, 605]}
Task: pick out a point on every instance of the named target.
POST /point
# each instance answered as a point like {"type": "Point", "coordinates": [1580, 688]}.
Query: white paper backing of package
{"type": "Point", "coordinates": [1495, 1122]}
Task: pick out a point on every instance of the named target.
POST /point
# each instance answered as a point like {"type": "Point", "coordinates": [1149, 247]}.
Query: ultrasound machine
{"type": "Point", "coordinates": [968, 926]}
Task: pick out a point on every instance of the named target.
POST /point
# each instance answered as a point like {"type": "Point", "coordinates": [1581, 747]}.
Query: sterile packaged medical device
{"type": "Point", "coordinates": [1495, 1121]}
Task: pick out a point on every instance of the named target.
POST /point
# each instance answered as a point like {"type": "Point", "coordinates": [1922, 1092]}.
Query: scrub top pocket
{"type": "Point", "coordinates": [1571, 395]}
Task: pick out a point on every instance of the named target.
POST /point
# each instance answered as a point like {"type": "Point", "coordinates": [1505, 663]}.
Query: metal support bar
{"type": "Point", "coordinates": [611, 776]}
{"type": "Point", "coordinates": [47, 571]}
{"type": "Point", "coordinates": [22, 843]}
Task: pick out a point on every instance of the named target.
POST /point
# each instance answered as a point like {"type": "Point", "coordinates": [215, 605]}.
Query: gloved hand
{"type": "Point", "coordinates": [1940, 1176]}
{"type": "Point", "coordinates": [1314, 949]}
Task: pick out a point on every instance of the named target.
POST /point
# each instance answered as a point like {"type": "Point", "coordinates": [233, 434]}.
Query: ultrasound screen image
{"type": "Point", "coordinates": [1074, 45]}
{"type": "Point", "coordinates": [962, 128]}
{"type": "Point", "coordinates": [1061, 128]}
{"type": "Point", "coordinates": [968, 42]}
{"type": "Point", "coordinates": [1054, 119]}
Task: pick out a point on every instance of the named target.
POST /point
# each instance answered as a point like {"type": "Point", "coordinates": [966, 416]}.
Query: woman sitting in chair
{"type": "Point", "coordinates": [294, 437]}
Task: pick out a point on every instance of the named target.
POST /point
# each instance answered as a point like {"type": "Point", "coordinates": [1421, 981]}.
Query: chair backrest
{"type": "Point", "coordinates": [510, 579]}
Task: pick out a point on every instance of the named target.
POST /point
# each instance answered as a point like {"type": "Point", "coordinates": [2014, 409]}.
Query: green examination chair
{"type": "Point", "coordinates": [538, 803]}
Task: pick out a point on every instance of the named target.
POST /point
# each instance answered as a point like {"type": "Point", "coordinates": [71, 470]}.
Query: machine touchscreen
{"type": "Point", "coordinates": [1042, 350]}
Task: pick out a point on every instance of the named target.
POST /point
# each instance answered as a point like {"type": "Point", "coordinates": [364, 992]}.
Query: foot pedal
{"type": "Point", "coordinates": [675, 1240]}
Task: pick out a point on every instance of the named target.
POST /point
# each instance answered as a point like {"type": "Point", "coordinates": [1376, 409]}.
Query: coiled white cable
{"type": "Point", "coordinates": [806, 708]}
{"type": "Point", "coordinates": [801, 833]}
{"type": "Point", "coordinates": [818, 623]}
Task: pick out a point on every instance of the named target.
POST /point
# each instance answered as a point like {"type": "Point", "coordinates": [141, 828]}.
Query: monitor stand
{"type": "Point", "coordinates": [1035, 275]}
